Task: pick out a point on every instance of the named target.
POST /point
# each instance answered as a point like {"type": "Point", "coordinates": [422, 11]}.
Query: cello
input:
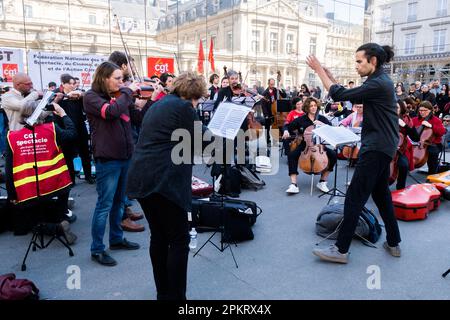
{"type": "Point", "coordinates": [401, 148]}
{"type": "Point", "coordinates": [420, 149]}
{"type": "Point", "coordinates": [313, 160]}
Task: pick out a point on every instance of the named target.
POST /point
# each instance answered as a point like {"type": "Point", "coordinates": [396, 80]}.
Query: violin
{"type": "Point", "coordinates": [313, 160]}
{"type": "Point", "coordinates": [420, 150]}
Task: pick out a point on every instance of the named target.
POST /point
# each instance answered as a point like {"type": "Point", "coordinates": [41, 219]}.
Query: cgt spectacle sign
{"type": "Point", "coordinates": [11, 63]}
{"type": "Point", "coordinates": [45, 67]}
{"type": "Point", "coordinates": [157, 66]}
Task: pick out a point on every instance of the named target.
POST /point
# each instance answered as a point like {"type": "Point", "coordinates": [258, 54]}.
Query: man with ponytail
{"type": "Point", "coordinates": [379, 140]}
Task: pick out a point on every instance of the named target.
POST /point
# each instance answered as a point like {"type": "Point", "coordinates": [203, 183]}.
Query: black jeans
{"type": "Point", "coordinates": [433, 158]}
{"type": "Point", "coordinates": [169, 246]}
{"type": "Point", "coordinates": [403, 169]}
{"type": "Point", "coordinates": [371, 177]}
{"type": "Point", "coordinates": [295, 155]}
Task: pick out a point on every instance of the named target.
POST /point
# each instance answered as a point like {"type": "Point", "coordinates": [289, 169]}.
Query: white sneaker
{"type": "Point", "coordinates": [322, 186]}
{"type": "Point", "coordinates": [292, 188]}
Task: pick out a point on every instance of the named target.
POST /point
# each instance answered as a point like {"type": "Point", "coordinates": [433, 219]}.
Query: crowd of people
{"type": "Point", "coordinates": [128, 136]}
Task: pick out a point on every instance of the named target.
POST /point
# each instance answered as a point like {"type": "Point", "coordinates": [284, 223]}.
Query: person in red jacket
{"type": "Point", "coordinates": [428, 120]}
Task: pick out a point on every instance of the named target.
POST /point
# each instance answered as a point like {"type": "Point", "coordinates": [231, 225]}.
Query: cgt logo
{"type": "Point", "coordinates": [86, 78]}
{"type": "Point", "coordinates": [9, 71]}
{"type": "Point", "coordinates": [157, 66]}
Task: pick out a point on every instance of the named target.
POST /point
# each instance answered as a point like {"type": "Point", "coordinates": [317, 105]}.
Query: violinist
{"type": "Point", "coordinates": [214, 81]}
{"type": "Point", "coordinates": [405, 158]}
{"type": "Point", "coordinates": [107, 105]}
{"type": "Point", "coordinates": [428, 120]}
{"type": "Point", "coordinates": [234, 89]}
{"type": "Point", "coordinates": [300, 124]}
{"type": "Point", "coordinates": [137, 112]}
{"type": "Point", "coordinates": [166, 83]}
{"type": "Point", "coordinates": [73, 106]}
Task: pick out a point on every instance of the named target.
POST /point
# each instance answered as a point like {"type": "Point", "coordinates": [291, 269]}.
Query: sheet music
{"type": "Point", "coordinates": [228, 119]}
{"type": "Point", "coordinates": [336, 136]}
{"type": "Point", "coordinates": [39, 109]}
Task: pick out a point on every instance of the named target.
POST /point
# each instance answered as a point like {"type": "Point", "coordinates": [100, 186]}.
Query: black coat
{"type": "Point", "coordinates": [152, 169]}
{"type": "Point", "coordinates": [380, 119]}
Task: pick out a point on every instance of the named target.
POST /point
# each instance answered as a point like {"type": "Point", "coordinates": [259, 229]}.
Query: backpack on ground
{"type": "Point", "coordinates": [249, 179]}
{"type": "Point", "coordinates": [330, 219]}
{"type": "Point", "coordinates": [17, 289]}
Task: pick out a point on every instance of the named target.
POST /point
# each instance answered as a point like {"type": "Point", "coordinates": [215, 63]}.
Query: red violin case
{"type": "Point", "coordinates": [415, 201]}
{"type": "Point", "coordinates": [201, 188]}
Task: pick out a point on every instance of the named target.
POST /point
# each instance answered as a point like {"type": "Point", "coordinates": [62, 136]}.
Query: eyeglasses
{"type": "Point", "coordinates": [423, 110]}
{"type": "Point", "coordinates": [26, 83]}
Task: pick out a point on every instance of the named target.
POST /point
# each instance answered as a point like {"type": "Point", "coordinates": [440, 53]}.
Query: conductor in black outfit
{"type": "Point", "coordinates": [379, 140]}
{"type": "Point", "coordinates": [162, 184]}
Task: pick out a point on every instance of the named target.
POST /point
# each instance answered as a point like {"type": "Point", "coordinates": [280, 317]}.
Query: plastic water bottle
{"type": "Point", "coordinates": [193, 242]}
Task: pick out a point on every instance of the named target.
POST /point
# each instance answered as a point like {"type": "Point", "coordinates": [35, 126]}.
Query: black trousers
{"type": "Point", "coordinates": [371, 177]}
{"type": "Point", "coordinates": [433, 158]}
{"type": "Point", "coordinates": [403, 168]}
{"type": "Point", "coordinates": [169, 246]}
{"type": "Point", "coordinates": [295, 155]}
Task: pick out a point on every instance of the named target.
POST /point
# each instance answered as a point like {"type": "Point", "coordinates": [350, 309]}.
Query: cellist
{"type": "Point", "coordinates": [310, 107]}
{"type": "Point", "coordinates": [404, 158]}
{"type": "Point", "coordinates": [428, 120]}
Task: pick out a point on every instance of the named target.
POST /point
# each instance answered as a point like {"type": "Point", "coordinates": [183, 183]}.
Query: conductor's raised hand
{"type": "Point", "coordinates": [313, 63]}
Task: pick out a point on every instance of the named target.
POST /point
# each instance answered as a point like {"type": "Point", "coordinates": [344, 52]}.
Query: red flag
{"type": "Point", "coordinates": [211, 55]}
{"type": "Point", "coordinates": [201, 58]}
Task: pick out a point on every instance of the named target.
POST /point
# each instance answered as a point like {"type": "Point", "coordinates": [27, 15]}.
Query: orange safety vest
{"type": "Point", "coordinates": [53, 173]}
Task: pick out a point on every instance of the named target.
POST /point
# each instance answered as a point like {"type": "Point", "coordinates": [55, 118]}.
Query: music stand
{"type": "Point", "coordinates": [284, 105]}
{"type": "Point", "coordinates": [226, 124]}
{"type": "Point", "coordinates": [206, 106]}
{"type": "Point", "coordinates": [336, 137]}
{"type": "Point", "coordinates": [39, 229]}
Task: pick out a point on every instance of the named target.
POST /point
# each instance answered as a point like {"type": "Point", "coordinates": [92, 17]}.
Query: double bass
{"type": "Point", "coordinates": [255, 128]}
{"type": "Point", "coordinates": [274, 104]}
{"type": "Point", "coordinates": [420, 150]}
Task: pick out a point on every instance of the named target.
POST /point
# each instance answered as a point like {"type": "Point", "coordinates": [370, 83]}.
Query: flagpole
{"type": "Point", "coordinates": [206, 34]}
{"type": "Point", "coordinates": [25, 34]}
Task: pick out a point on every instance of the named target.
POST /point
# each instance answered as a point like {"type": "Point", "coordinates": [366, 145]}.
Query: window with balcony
{"type": "Point", "coordinates": [92, 18]}
{"type": "Point", "coordinates": [439, 40]}
{"type": "Point", "coordinates": [312, 45]}
{"type": "Point", "coordinates": [289, 43]}
{"type": "Point", "coordinates": [412, 11]}
{"type": "Point", "coordinates": [255, 41]}
{"type": "Point", "coordinates": [410, 43]}
{"type": "Point", "coordinates": [273, 42]}
{"type": "Point", "coordinates": [28, 11]}
{"type": "Point", "coordinates": [441, 8]}
{"type": "Point", "coordinates": [229, 40]}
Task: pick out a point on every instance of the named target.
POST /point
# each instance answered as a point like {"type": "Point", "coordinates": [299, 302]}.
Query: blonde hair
{"type": "Point", "coordinates": [189, 86]}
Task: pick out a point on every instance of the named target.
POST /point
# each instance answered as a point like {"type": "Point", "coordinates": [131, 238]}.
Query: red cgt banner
{"type": "Point", "coordinates": [157, 66]}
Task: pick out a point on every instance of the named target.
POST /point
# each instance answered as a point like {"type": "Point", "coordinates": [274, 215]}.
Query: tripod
{"type": "Point", "coordinates": [334, 192]}
{"type": "Point", "coordinates": [223, 216]}
{"type": "Point", "coordinates": [41, 229]}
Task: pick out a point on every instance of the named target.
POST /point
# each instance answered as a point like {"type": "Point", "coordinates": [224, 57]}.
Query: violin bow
{"type": "Point", "coordinates": [124, 46]}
